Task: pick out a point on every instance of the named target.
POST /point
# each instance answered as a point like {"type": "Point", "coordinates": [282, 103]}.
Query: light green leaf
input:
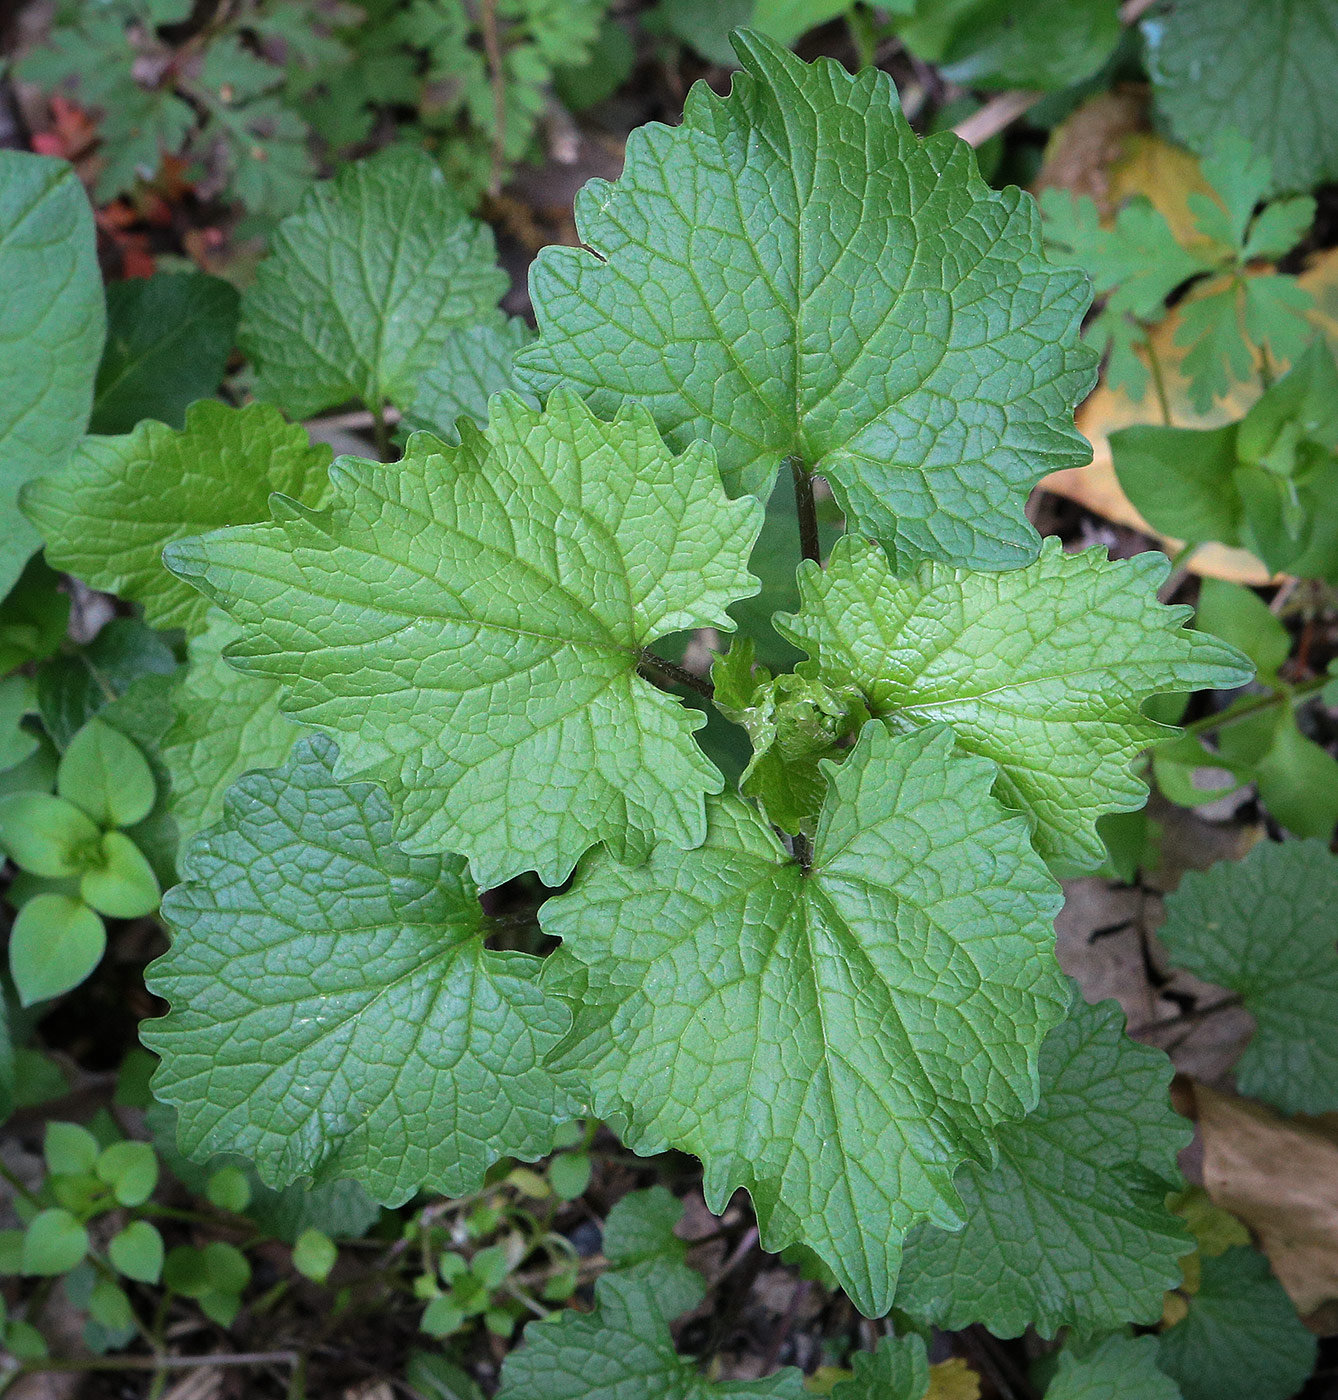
{"type": "Point", "coordinates": [120, 500]}
{"type": "Point", "coordinates": [122, 885]}
{"type": "Point", "coordinates": [897, 1369]}
{"type": "Point", "coordinates": [130, 1169]}
{"type": "Point", "coordinates": [639, 1241]}
{"type": "Point", "coordinates": [47, 835]}
{"type": "Point", "coordinates": [1241, 1339]}
{"type": "Point", "coordinates": [314, 1255]}
{"type": "Point", "coordinates": [475, 364]}
{"type": "Point", "coordinates": [103, 773]}
{"type": "Point", "coordinates": [1297, 778]}
{"type": "Point", "coordinates": [137, 1252]}
{"type": "Point", "coordinates": [1262, 67]}
{"type": "Point", "coordinates": [1264, 927]}
{"type": "Point", "coordinates": [54, 1243]}
{"type": "Point", "coordinates": [1240, 617]}
{"type": "Point", "coordinates": [367, 283]}
{"type": "Point", "coordinates": [55, 943]}
{"type": "Point", "coordinates": [623, 1351]}
{"type": "Point", "coordinates": [52, 321]}
{"type": "Point", "coordinates": [1121, 1368]}
{"type": "Point", "coordinates": [1041, 669]}
{"type": "Point", "coordinates": [356, 1025]}
{"type": "Point", "coordinates": [799, 1031]}
{"type": "Point", "coordinates": [168, 342]}
{"type": "Point", "coordinates": [792, 274]}
{"type": "Point", "coordinates": [227, 722]}
{"type": "Point", "coordinates": [512, 583]}
{"type": "Point", "coordinates": [69, 1149]}
{"type": "Point", "coordinates": [1070, 1228]}
{"type": "Point", "coordinates": [17, 699]}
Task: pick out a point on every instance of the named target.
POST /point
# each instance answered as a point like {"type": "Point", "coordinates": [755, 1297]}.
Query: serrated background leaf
{"type": "Point", "coordinates": [802, 1034]}
{"type": "Point", "coordinates": [366, 284]}
{"type": "Point", "coordinates": [1262, 67]}
{"type": "Point", "coordinates": [471, 623]}
{"type": "Point", "coordinates": [1041, 669]}
{"type": "Point", "coordinates": [791, 272]}
{"type": "Point", "coordinates": [1070, 1228]}
{"type": "Point", "coordinates": [1120, 1368]}
{"type": "Point", "coordinates": [475, 363]}
{"type": "Point", "coordinates": [51, 327]}
{"type": "Point", "coordinates": [897, 1369]}
{"type": "Point", "coordinates": [1266, 927]}
{"type": "Point", "coordinates": [108, 515]}
{"type": "Point", "coordinates": [1241, 1339]}
{"type": "Point", "coordinates": [354, 1024]}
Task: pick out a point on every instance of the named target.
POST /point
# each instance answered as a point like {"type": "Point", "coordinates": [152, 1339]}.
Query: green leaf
{"type": "Point", "coordinates": [109, 1306]}
{"type": "Point", "coordinates": [475, 364]}
{"type": "Point", "coordinates": [72, 688]}
{"type": "Point", "coordinates": [1120, 1368]}
{"type": "Point", "coordinates": [356, 1024]}
{"type": "Point", "coordinates": [569, 1174]}
{"type": "Point", "coordinates": [137, 1252]}
{"type": "Point", "coordinates": [1297, 778]}
{"type": "Point", "coordinates": [897, 1369]}
{"type": "Point", "coordinates": [52, 317]}
{"type": "Point", "coordinates": [1241, 1339]}
{"type": "Point", "coordinates": [168, 341]}
{"type": "Point", "coordinates": [123, 885]}
{"type": "Point", "coordinates": [69, 1149]}
{"type": "Point", "coordinates": [1041, 669]}
{"type": "Point", "coordinates": [795, 724]}
{"type": "Point", "coordinates": [639, 1241]}
{"type": "Point", "coordinates": [47, 835]}
{"type": "Point", "coordinates": [227, 722]}
{"type": "Point", "coordinates": [796, 1030]}
{"type": "Point", "coordinates": [1240, 617]}
{"type": "Point", "coordinates": [1070, 1228]}
{"type": "Point", "coordinates": [367, 284]}
{"type": "Point", "coordinates": [623, 1351]}
{"type": "Point", "coordinates": [17, 699]}
{"type": "Point", "coordinates": [54, 1243]}
{"type": "Point", "coordinates": [55, 943]}
{"type": "Point", "coordinates": [314, 1255]}
{"type": "Point", "coordinates": [996, 43]}
{"type": "Point", "coordinates": [1180, 479]}
{"type": "Point", "coordinates": [514, 582]}
{"type": "Point", "coordinates": [792, 274]}
{"type": "Point", "coordinates": [120, 500]}
{"type": "Point", "coordinates": [33, 617]}
{"type": "Point", "coordinates": [228, 1189]}
{"type": "Point", "coordinates": [107, 776]}
{"type": "Point", "coordinates": [1263, 927]}
{"type": "Point", "coordinates": [1262, 67]}
{"type": "Point", "coordinates": [130, 1169]}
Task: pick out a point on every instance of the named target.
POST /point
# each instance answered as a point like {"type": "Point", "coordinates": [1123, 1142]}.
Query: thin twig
{"type": "Point", "coordinates": [998, 113]}
{"type": "Point", "coordinates": [1222, 720]}
{"type": "Point", "coordinates": [163, 1363]}
{"type": "Point", "coordinates": [679, 675]}
{"type": "Point", "coordinates": [1181, 1018]}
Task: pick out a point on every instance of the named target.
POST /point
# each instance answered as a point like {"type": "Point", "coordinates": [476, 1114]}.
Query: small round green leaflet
{"type": "Point", "coordinates": [314, 1255]}
{"type": "Point", "coordinates": [69, 1149]}
{"type": "Point", "coordinates": [137, 1252]}
{"type": "Point", "coordinates": [109, 1305]}
{"type": "Point", "coordinates": [131, 1170]}
{"type": "Point", "coordinates": [228, 1189]}
{"type": "Point", "coordinates": [107, 776]}
{"type": "Point", "coordinates": [124, 885]}
{"type": "Point", "coordinates": [55, 943]}
{"type": "Point", "coordinates": [54, 1243]}
{"type": "Point", "coordinates": [47, 835]}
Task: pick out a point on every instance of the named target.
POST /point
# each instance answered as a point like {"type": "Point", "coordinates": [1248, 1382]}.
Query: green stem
{"type": "Point", "coordinates": [1295, 695]}
{"type": "Point", "coordinates": [30, 1196]}
{"type": "Point", "coordinates": [679, 675]}
{"type": "Point", "coordinates": [810, 542]}
{"type": "Point", "coordinates": [380, 432]}
{"type": "Point", "coordinates": [863, 36]}
{"type": "Point", "coordinates": [1159, 383]}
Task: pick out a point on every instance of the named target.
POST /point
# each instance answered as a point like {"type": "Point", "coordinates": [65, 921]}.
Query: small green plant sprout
{"type": "Point", "coordinates": [77, 861]}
